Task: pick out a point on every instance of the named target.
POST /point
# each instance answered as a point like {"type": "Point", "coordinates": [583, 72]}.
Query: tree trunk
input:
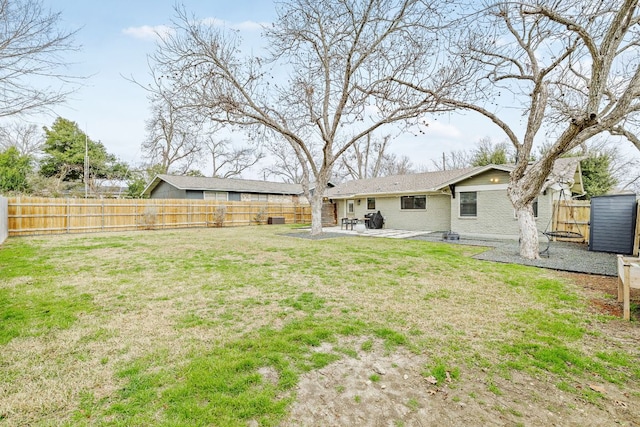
{"type": "Point", "coordinates": [529, 247]}
{"type": "Point", "coordinates": [522, 193]}
{"type": "Point", "coordinates": [316, 211]}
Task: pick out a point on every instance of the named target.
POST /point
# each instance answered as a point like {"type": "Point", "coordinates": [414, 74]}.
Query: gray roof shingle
{"type": "Point", "coordinates": [427, 181]}
{"type": "Point", "coordinates": [226, 184]}
{"type": "Point", "coordinates": [563, 171]}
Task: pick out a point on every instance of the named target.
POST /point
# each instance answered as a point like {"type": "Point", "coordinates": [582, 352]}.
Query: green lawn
{"type": "Point", "coordinates": [178, 327]}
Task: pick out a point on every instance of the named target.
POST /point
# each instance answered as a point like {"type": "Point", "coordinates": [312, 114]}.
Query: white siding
{"type": "Point", "coordinates": [496, 215]}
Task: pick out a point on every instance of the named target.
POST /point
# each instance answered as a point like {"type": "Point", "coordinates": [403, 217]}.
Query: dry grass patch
{"type": "Point", "coordinates": [219, 326]}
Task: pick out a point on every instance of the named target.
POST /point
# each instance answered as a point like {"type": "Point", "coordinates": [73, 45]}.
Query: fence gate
{"type": "Point", "coordinates": [572, 216]}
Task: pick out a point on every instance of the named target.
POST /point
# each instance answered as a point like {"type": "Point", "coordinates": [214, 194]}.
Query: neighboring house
{"type": "Point", "coordinates": [471, 201]}
{"type": "Point", "coordinates": [223, 189]}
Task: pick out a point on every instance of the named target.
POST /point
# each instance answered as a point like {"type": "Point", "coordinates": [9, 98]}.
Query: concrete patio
{"type": "Point", "coordinates": [380, 232]}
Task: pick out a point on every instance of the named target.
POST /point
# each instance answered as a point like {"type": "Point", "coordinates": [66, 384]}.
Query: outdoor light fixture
{"type": "Point", "coordinates": [494, 180]}
{"type": "Point", "coordinates": [358, 202]}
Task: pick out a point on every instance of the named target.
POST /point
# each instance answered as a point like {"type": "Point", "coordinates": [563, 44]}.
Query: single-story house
{"type": "Point", "coordinates": [471, 201]}
{"type": "Point", "coordinates": [222, 189]}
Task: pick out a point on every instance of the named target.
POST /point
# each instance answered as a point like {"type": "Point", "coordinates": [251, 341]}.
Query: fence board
{"type": "Point", "coordinates": [4, 219]}
{"type": "Point", "coordinates": [35, 215]}
{"type": "Point", "coordinates": [572, 216]}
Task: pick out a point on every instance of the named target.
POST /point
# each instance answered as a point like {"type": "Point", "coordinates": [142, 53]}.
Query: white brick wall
{"type": "Point", "coordinates": [496, 216]}
{"type": "Point", "coordinates": [434, 218]}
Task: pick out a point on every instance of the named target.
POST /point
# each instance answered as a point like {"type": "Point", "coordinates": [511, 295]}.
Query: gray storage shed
{"type": "Point", "coordinates": [613, 221]}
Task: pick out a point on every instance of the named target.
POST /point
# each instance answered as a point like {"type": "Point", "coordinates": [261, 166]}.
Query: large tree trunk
{"type": "Point", "coordinates": [316, 199]}
{"type": "Point", "coordinates": [529, 247]}
{"type": "Point", "coordinates": [316, 211]}
{"type": "Point", "coordinates": [522, 193]}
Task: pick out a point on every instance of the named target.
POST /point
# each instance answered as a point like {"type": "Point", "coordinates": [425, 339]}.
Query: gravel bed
{"type": "Point", "coordinates": [563, 256]}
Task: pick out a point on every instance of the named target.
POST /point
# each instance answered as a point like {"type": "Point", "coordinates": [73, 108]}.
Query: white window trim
{"type": "Point", "coordinates": [467, 217]}
{"type": "Point", "coordinates": [351, 202]}
{"type": "Point", "coordinates": [367, 202]}
{"type": "Point", "coordinates": [426, 203]}
{"type": "Point", "coordinates": [216, 194]}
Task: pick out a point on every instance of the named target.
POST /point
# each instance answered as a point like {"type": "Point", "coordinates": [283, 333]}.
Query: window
{"type": "Point", "coordinates": [234, 197]}
{"type": "Point", "coordinates": [215, 195]}
{"type": "Point", "coordinates": [413, 202]}
{"type": "Point", "coordinates": [469, 204]}
{"type": "Point", "coordinates": [371, 203]}
{"type": "Point", "coordinates": [350, 209]}
{"type": "Point", "coordinates": [259, 197]}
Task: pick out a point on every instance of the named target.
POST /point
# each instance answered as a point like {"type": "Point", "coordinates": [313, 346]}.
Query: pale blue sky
{"type": "Point", "coordinates": [116, 36]}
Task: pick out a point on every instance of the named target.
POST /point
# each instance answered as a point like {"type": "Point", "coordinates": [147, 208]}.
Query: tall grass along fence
{"type": "Point", "coordinates": [31, 215]}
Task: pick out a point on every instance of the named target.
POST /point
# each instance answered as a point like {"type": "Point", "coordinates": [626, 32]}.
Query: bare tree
{"type": "Point", "coordinates": [172, 137]}
{"type": "Point", "coordinates": [570, 68]}
{"type": "Point", "coordinates": [484, 152]}
{"type": "Point", "coordinates": [286, 165]}
{"type": "Point", "coordinates": [487, 152]}
{"type": "Point", "coordinates": [341, 58]}
{"type": "Point", "coordinates": [28, 139]}
{"type": "Point", "coordinates": [371, 159]}
{"type": "Point", "coordinates": [31, 58]}
{"type": "Point", "coordinates": [228, 161]}
{"type": "Point", "coordinates": [456, 159]}
{"type": "Point", "coordinates": [394, 165]}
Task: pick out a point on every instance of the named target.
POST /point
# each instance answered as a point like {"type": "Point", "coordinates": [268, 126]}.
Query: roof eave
{"type": "Point", "coordinates": [385, 194]}
{"type": "Point", "coordinates": [152, 185]}
{"type": "Point", "coordinates": [503, 168]}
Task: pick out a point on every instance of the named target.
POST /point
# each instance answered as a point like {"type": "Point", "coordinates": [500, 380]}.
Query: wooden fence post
{"type": "Point", "coordinates": [68, 216]}
{"type": "Point", "coordinates": [636, 239]}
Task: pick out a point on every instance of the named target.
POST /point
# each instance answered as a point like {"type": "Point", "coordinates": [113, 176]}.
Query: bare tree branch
{"type": "Point", "coordinates": [570, 68]}
{"type": "Point", "coordinates": [337, 61]}
{"type": "Point", "coordinates": [26, 138]}
{"type": "Point", "coordinates": [32, 62]}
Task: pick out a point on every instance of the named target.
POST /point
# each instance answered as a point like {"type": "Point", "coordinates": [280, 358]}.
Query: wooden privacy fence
{"type": "Point", "coordinates": [571, 216]}
{"type": "Point", "coordinates": [31, 215]}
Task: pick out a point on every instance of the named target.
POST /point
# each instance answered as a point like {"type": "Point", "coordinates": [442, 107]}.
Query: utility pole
{"type": "Point", "coordinates": [86, 164]}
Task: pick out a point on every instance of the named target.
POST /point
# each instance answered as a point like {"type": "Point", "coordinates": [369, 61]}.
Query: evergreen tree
{"type": "Point", "coordinates": [596, 175]}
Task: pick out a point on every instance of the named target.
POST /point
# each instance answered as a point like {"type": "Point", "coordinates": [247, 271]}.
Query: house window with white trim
{"type": "Point", "coordinates": [468, 204]}
{"type": "Point", "coordinates": [350, 208]}
{"type": "Point", "coordinates": [259, 197]}
{"type": "Point", "coordinates": [371, 203]}
{"type": "Point", "coordinates": [413, 202]}
{"type": "Point", "coordinates": [215, 195]}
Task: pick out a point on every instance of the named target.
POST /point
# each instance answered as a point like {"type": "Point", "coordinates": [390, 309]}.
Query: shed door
{"type": "Point", "coordinates": [613, 220]}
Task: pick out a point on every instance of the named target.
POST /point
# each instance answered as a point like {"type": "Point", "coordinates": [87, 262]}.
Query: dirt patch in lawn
{"type": "Point", "coordinates": [378, 388]}
{"type": "Point", "coordinates": [382, 388]}
{"type": "Point", "coordinates": [601, 292]}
